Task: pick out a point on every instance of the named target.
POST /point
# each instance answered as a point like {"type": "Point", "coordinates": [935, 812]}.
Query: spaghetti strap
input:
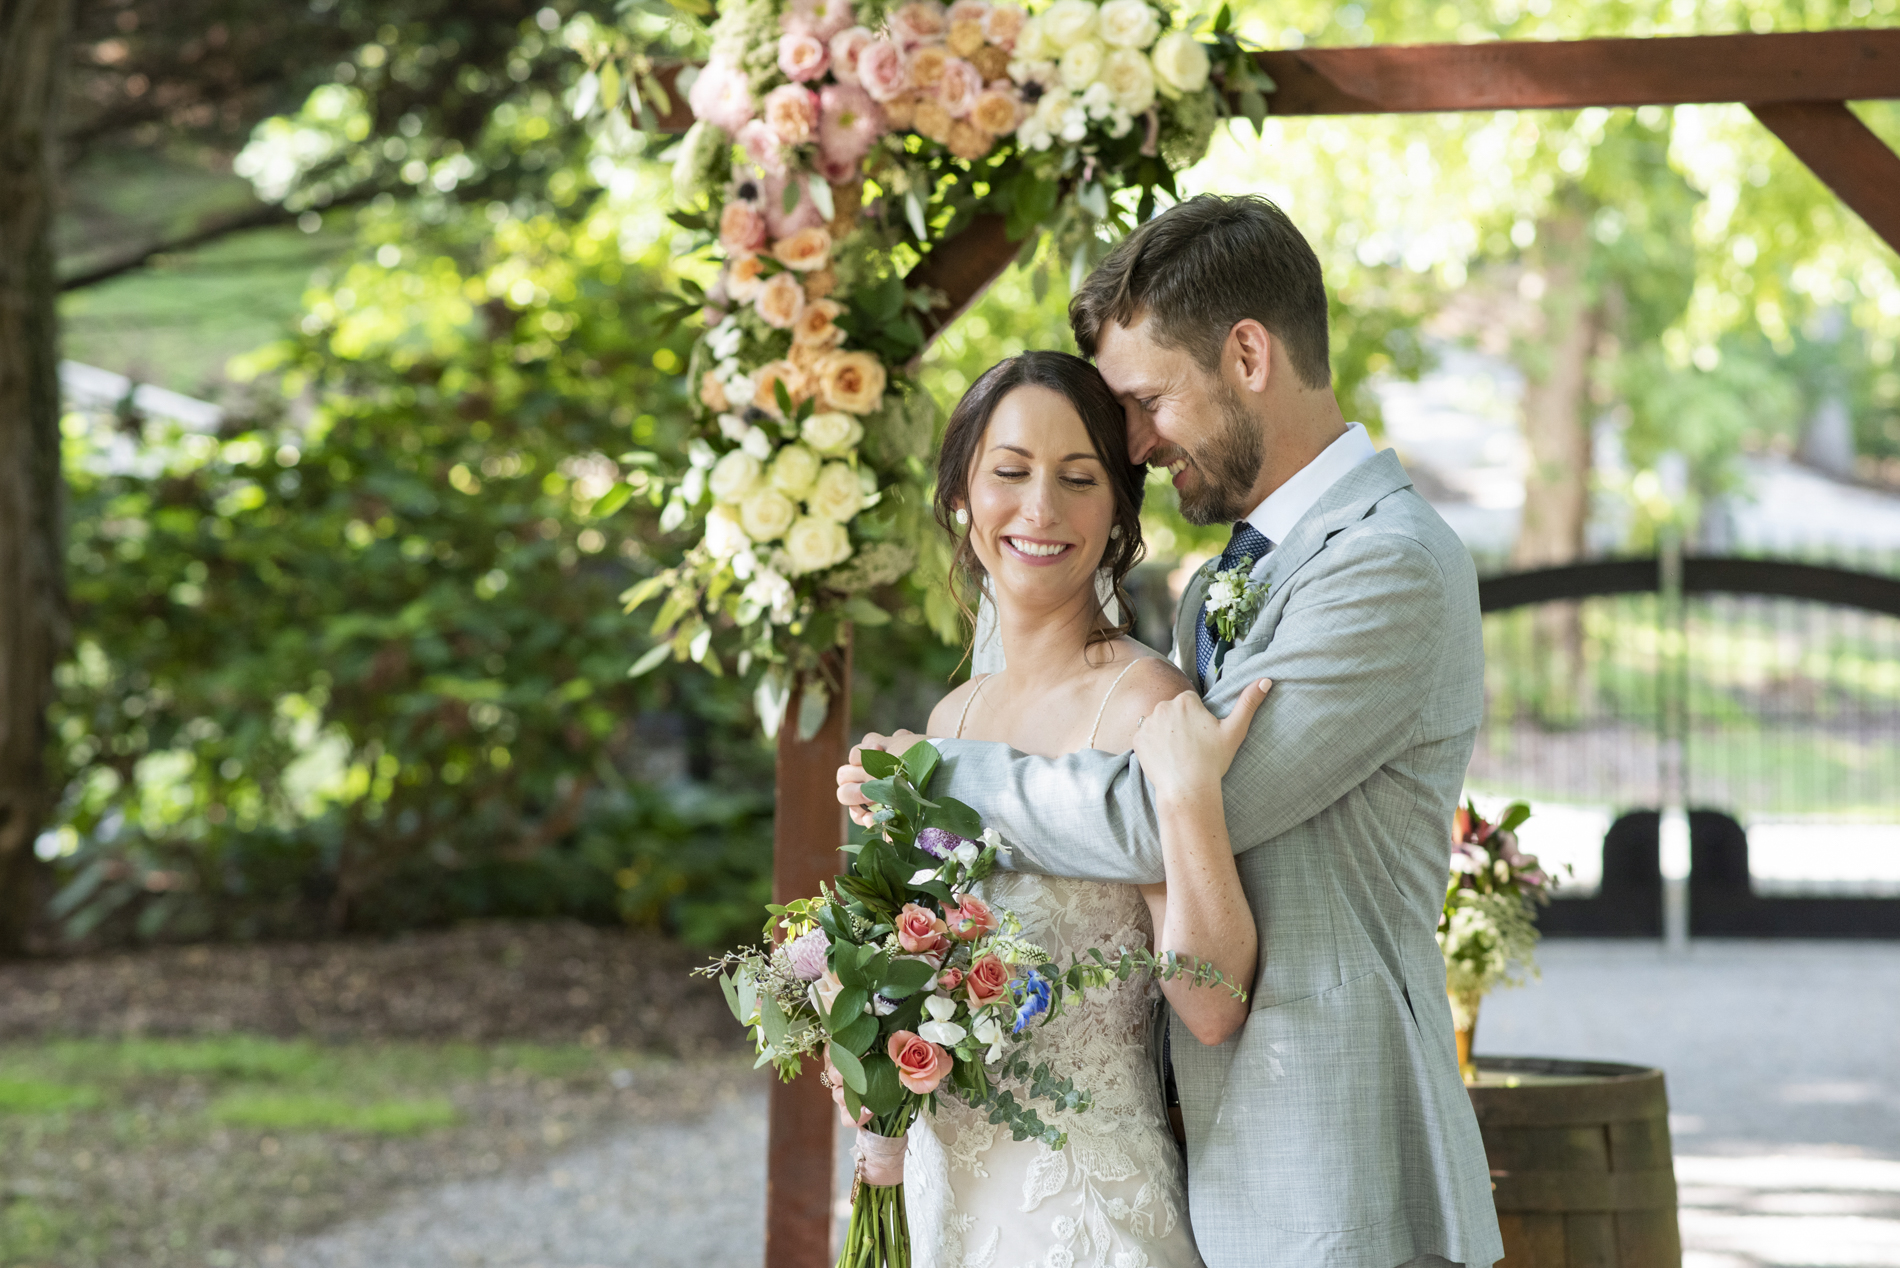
{"type": "Point", "coordinates": [965, 715]}
{"type": "Point", "coordinates": [1105, 699]}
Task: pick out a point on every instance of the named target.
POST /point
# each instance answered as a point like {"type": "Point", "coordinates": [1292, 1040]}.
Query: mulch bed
{"type": "Point", "coordinates": [542, 982]}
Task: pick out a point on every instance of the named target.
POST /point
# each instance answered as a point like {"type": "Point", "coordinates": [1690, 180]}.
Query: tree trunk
{"type": "Point", "coordinates": [1556, 366]}
{"type": "Point", "coordinates": [33, 628]}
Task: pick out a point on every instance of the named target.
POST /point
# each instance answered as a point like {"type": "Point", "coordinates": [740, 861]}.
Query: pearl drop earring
{"type": "Point", "coordinates": [962, 517]}
{"type": "Point", "coordinates": [1115, 533]}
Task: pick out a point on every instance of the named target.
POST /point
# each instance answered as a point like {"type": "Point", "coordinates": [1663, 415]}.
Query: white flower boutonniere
{"type": "Point", "coordinates": [1232, 600]}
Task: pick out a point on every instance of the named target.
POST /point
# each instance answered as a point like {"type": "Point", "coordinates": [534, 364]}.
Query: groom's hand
{"type": "Point", "coordinates": [852, 774]}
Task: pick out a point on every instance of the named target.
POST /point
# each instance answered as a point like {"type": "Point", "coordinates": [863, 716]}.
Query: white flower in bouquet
{"type": "Point", "coordinates": [836, 495]}
{"type": "Point", "coordinates": [1180, 63]}
{"type": "Point", "coordinates": [735, 476]}
{"type": "Point", "coordinates": [741, 388]}
{"type": "Point", "coordinates": [794, 471]}
{"type": "Point", "coordinates": [767, 514]}
{"type": "Point", "coordinates": [940, 1029]}
{"type": "Point", "coordinates": [733, 428]}
{"type": "Point", "coordinates": [701, 454]}
{"type": "Point", "coordinates": [832, 433]}
{"type": "Point", "coordinates": [758, 444]}
{"type": "Point", "coordinates": [815, 544]}
{"type": "Point", "coordinates": [1081, 64]}
{"type": "Point", "coordinates": [725, 535]}
{"type": "Point", "coordinates": [1065, 22]}
{"type": "Point", "coordinates": [1128, 24]}
{"type": "Point", "coordinates": [1130, 79]}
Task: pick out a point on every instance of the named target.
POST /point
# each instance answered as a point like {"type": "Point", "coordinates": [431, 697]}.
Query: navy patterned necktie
{"type": "Point", "coordinates": [1247, 541]}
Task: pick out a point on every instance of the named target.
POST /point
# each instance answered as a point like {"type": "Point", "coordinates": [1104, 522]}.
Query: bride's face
{"type": "Point", "coordinates": [1040, 503]}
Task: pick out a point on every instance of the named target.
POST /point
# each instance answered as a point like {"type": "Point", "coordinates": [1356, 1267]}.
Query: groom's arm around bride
{"type": "Point", "coordinates": [1333, 1129]}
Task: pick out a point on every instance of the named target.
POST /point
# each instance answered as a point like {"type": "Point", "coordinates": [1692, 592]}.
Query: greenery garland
{"type": "Point", "coordinates": [833, 150]}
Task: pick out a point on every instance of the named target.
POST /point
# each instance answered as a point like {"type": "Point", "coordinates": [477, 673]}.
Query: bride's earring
{"type": "Point", "coordinates": [962, 517]}
{"type": "Point", "coordinates": [1115, 533]}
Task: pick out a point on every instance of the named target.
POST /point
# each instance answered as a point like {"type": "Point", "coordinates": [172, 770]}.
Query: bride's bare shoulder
{"type": "Point", "coordinates": [943, 718]}
{"type": "Point", "coordinates": [1151, 679]}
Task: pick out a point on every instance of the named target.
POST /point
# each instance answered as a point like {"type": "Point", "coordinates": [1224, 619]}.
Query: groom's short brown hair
{"type": "Point", "coordinates": [1202, 266]}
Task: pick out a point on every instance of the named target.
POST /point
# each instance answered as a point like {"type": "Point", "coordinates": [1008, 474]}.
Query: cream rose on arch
{"type": "Point", "coordinates": [766, 515]}
{"type": "Point", "coordinates": [794, 470]}
{"type": "Point", "coordinates": [838, 495]}
{"type": "Point", "coordinates": [815, 544]}
{"type": "Point", "coordinates": [1066, 21]}
{"type": "Point", "coordinates": [1180, 63]}
{"type": "Point", "coordinates": [735, 476]}
{"type": "Point", "coordinates": [1127, 24]}
{"type": "Point", "coordinates": [1129, 80]}
{"type": "Point", "coordinates": [1081, 64]}
{"type": "Point", "coordinates": [831, 433]}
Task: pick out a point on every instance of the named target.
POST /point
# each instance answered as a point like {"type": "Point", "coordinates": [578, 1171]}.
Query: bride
{"type": "Point", "coordinates": [1034, 484]}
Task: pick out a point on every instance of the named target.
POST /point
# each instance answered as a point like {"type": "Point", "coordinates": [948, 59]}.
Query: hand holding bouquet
{"type": "Point", "coordinates": [913, 986]}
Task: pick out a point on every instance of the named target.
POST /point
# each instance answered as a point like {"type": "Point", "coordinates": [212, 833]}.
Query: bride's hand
{"type": "Point", "coordinates": [835, 1081]}
{"type": "Point", "coordinates": [1184, 749]}
{"type": "Point", "coordinates": [852, 773]}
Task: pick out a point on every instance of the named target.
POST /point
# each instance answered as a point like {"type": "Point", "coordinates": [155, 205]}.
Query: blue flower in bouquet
{"type": "Point", "coordinates": [1032, 999]}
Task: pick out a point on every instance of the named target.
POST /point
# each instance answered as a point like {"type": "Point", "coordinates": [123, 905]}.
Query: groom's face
{"type": "Point", "coordinates": [1185, 419]}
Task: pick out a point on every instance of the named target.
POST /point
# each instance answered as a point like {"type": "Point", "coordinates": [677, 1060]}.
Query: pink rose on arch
{"type": "Point", "coordinates": [722, 96]}
{"type": "Point", "coordinates": [741, 227]}
{"type": "Point", "coordinates": [763, 147]}
{"type": "Point", "coordinates": [967, 11]}
{"type": "Point", "coordinates": [921, 1065]}
{"type": "Point", "coordinates": [1002, 24]}
{"type": "Point", "coordinates": [919, 930]}
{"type": "Point", "coordinates": [792, 112]}
{"type": "Point", "coordinates": [970, 918]}
{"type": "Point", "coordinates": [801, 56]}
{"type": "Point", "coordinates": [845, 47]}
{"type": "Point", "coordinates": [820, 19]}
{"type": "Point", "coordinates": [779, 222]}
{"type": "Point", "coordinates": [849, 122]}
{"type": "Point", "coordinates": [959, 88]}
{"type": "Point", "coordinates": [918, 22]}
{"type": "Point", "coordinates": [882, 69]}
{"type": "Point", "coordinates": [837, 171]}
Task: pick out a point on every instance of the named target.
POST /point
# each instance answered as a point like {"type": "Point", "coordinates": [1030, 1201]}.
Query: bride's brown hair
{"type": "Point", "coordinates": [1079, 383]}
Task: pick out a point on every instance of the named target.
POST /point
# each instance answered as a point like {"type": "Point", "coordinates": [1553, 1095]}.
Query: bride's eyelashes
{"type": "Point", "coordinates": [1073, 481]}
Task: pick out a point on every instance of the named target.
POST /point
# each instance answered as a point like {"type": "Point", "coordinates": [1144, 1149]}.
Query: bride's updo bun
{"type": "Point", "coordinates": [1081, 385]}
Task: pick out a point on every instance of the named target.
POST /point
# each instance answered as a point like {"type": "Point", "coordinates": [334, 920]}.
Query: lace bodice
{"type": "Point", "coordinates": [1115, 1197]}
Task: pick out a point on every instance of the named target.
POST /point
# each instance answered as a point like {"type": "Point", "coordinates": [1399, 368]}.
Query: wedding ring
{"type": "Point", "coordinates": [824, 1078]}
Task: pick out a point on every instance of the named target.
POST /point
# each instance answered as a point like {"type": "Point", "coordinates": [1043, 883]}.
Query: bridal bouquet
{"type": "Point", "coordinates": [913, 987]}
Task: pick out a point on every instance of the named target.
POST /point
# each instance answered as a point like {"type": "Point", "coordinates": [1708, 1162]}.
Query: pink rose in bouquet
{"type": "Point", "coordinates": [721, 96]}
{"type": "Point", "coordinates": [819, 18]}
{"type": "Point", "coordinates": [845, 47]}
{"type": "Point", "coordinates": [882, 70]}
{"type": "Point", "coordinates": [988, 981]}
{"type": "Point", "coordinates": [921, 1065]}
{"type": "Point", "coordinates": [949, 979]}
{"type": "Point", "coordinates": [970, 918]}
{"type": "Point", "coordinates": [918, 22]}
{"type": "Point", "coordinates": [920, 931]}
{"type": "Point", "coordinates": [801, 56]}
{"type": "Point", "coordinates": [792, 112]}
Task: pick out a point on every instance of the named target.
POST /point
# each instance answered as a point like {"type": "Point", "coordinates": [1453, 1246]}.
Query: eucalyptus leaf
{"type": "Point", "coordinates": [848, 1068]}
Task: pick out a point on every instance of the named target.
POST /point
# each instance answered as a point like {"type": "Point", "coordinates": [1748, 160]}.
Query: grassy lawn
{"type": "Point", "coordinates": [209, 1150]}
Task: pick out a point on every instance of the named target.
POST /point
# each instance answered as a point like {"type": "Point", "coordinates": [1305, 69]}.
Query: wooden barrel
{"type": "Point", "coordinates": [1580, 1162]}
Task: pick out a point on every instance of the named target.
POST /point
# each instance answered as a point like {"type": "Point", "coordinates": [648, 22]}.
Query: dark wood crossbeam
{"type": "Point", "coordinates": [1857, 165]}
{"type": "Point", "coordinates": [1681, 70]}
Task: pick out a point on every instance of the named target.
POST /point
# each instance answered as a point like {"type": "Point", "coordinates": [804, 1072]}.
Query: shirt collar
{"type": "Point", "coordinates": [1284, 507]}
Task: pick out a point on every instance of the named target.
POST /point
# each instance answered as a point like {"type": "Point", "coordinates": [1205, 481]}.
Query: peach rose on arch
{"type": "Point", "coordinates": [792, 112]}
{"type": "Point", "coordinates": [997, 111]}
{"type": "Point", "coordinates": [745, 273]}
{"type": "Point", "coordinates": [767, 376]}
{"type": "Point", "coordinates": [882, 71]}
{"type": "Point", "coordinates": [921, 1065]}
{"type": "Point", "coordinates": [850, 381]}
{"type": "Point", "coordinates": [780, 300]}
{"type": "Point", "coordinates": [741, 227]}
{"type": "Point", "coordinates": [805, 250]}
{"type": "Point", "coordinates": [817, 326]}
{"type": "Point", "coordinates": [958, 87]}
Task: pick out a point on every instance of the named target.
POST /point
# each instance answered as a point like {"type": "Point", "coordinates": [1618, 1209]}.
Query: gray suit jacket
{"type": "Point", "coordinates": [1333, 1129]}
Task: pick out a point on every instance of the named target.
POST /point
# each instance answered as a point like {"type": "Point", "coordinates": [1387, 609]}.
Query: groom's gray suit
{"type": "Point", "coordinates": [1332, 1129]}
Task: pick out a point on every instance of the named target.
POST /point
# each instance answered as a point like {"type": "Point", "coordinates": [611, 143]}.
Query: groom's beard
{"type": "Point", "coordinates": [1228, 465]}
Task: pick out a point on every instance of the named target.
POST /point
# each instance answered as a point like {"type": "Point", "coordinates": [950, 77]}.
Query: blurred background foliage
{"type": "Point", "coordinates": [356, 661]}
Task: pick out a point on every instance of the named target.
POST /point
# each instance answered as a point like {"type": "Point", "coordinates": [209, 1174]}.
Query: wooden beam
{"type": "Point", "coordinates": [807, 835]}
{"type": "Point", "coordinates": [1848, 65]}
{"type": "Point", "coordinates": [1850, 160]}
{"type": "Point", "coordinates": [963, 268]}
{"type": "Point", "coordinates": [680, 117]}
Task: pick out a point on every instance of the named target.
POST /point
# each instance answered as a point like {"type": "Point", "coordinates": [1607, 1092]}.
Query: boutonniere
{"type": "Point", "coordinates": [1232, 599]}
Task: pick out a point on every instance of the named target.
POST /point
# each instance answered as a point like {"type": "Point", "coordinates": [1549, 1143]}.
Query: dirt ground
{"type": "Point", "coordinates": [554, 982]}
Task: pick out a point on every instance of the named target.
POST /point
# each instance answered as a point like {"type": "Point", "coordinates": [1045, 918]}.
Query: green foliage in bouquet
{"type": "Point", "coordinates": [1488, 928]}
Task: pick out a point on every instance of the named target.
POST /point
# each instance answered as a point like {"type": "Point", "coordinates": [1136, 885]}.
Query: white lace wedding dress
{"type": "Point", "coordinates": [1116, 1196]}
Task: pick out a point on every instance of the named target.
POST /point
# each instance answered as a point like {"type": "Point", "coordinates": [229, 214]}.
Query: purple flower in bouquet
{"type": "Point", "coordinates": [807, 954]}
{"type": "Point", "coordinates": [939, 844]}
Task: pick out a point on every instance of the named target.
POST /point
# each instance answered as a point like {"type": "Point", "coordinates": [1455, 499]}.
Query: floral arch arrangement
{"type": "Point", "coordinates": [836, 154]}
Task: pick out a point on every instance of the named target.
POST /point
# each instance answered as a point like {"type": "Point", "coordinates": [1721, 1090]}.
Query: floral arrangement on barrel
{"type": "Point", "coordinates": [834, 148]}
{"type": "Point", "coordinates": [1488, 929]}
{"type": "Point", "coordinates": [910, 987]}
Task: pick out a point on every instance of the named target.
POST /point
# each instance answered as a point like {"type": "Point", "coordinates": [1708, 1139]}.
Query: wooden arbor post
{"type": "Point", "coordinates": [1796, 83]}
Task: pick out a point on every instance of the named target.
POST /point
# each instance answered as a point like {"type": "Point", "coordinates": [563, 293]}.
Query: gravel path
{"type": "Point", "coordinates": [1782, 1078]}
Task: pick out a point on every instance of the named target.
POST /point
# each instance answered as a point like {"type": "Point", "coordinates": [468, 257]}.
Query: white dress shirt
{"type": "Point", "coordinates": [1283, 508]}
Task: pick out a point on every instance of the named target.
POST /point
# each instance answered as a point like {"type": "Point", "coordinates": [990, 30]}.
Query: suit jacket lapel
{"type": "Point", "coordinates": [1187, 616]}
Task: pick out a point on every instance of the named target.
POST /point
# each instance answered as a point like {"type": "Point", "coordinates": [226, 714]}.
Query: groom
{"type": "Point", "coordinates": [1332, 1129]}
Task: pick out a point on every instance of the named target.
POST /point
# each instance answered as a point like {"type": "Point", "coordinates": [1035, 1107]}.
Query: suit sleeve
{"type": "Point", "coordinates": [1349, 659]}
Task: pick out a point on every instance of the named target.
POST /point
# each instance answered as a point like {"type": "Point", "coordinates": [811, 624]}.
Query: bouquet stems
{"type": "Point", "coordinates": [879, 1236]}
